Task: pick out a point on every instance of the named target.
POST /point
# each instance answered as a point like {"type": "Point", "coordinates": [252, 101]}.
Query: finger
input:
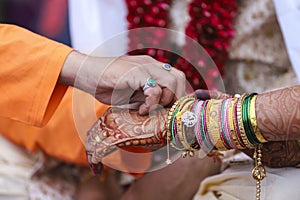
{"type": "Point", "coordinates": [172, 79]}
{"type": "Point", "coordinates": [214, 94]}
{"type": "Point", "coordinates": [165, 80]}
{"type": "Point", "coordinates": [131, 106]}
{"type": "Point", "coordinates": [152, 99]}
{"type": "Point", "coordinates": [137, 96]}
{"type": "Point", "coordinates": [167, 96]}
{"type": "Point", "coordinates": [151, 90]}
{"type": "Point", "coordinates": [180, 83]}
{"type": "Point", "coordinates": [210, 94]}
{"type": "Point", "coordinates": [202, 94]}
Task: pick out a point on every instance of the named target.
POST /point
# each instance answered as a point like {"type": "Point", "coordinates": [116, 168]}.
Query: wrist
{"type": "Point", "coordinates": [70, 68]}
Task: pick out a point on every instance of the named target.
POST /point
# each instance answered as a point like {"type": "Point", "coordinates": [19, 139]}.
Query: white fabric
{"type": "Point", "coordinates": [94, 21]}
{"type": "Point", "coordinates": [288, 15]}
{"type": "Point", "coordinates": [236, 183]}
{"type": "Point", "coordinates": [17, 180]}
{"type": "Point", "coordinates": [16, 168]}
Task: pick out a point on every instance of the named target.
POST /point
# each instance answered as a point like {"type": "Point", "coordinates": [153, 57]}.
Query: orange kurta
{"type": "Point", "coordinates": [29, 94]}
{"type": "Point", "coordinates": [30, 66]}
{"type": "Point", "coordinates": [63, 137]}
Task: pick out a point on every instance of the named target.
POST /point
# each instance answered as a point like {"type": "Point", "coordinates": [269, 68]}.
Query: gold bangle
{"type": "Point", "coordinates": [253, 121]}
{"type": "Point", "coordinates": [180, 130]}
{"type": "Point", "coordinates": [171, 113]}
{"type": "Point", "coordinates": [187, 125]}
{"type": "Point", "coordinates": [169, 129]}
{"type": "Point", "coordinates": [181, 104]}
{"type": "Point", "coordinates": [170, 116]}
{"type": "Point", "coordinates": [231, 121]}
{"type": "Point", "coordinates": [240, 123]}
{"type": "Point", "coordinates": [213, 123]}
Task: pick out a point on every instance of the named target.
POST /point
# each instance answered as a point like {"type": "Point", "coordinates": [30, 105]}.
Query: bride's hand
{"type": "Point", "coordinates": [280, 153]}
{"type": "Point", "coordinates": [123, 128]}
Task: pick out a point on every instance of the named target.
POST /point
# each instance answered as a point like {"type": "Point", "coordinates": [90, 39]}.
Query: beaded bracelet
{"type": "Point", "coordinates": [175, 142]}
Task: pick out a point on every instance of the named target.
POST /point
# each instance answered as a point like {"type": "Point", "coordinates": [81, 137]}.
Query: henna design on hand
{"type": "Point", "coordinates": [279, 154]}
{"type": "Point", "coordinates": [123, 128]}
{"type": "Point", "coordinates": [278, 114]}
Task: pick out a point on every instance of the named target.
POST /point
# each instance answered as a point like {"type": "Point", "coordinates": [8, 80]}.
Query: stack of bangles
{"type": "Point", "coordinates": [216, 124]}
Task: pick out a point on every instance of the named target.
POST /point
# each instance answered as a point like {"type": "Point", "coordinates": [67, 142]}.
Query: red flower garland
{"type": "Point", "coordinates": [211, 25]}
{"type": "Point", "coordinates": [147, 13]}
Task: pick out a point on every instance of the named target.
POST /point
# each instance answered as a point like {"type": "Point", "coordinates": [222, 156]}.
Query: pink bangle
{"type": "Point", "coordinates": [222, 125]}
{"type": "Point", "coordinates": [197, 128]}
{"type": "Point", "coordinates": [209, 143]}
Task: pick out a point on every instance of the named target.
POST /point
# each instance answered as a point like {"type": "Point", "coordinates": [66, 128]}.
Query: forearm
{"type": "Point", "coordinates": [70, 68]}
{"type": "Point", "coordinates": [278, 114]}
{"type": "Point", "coordinates": [187, 172]}
{"type": "Point", "coordinates": [84, 72]}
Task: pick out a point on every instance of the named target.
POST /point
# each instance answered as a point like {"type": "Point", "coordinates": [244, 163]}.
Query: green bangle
{"type": "Point", "coordinates": [246, 120]}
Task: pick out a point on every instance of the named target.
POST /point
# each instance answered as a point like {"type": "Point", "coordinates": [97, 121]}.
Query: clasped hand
{"type": "Point", "coordinates": [120, 80]}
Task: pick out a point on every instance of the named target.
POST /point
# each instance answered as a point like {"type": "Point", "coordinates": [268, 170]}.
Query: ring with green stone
{"type": "Point", "coordinates": [149, 83]}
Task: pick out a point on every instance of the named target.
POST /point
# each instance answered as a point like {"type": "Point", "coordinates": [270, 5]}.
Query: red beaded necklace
{"type": "Point", "coordinates": [211, 25]}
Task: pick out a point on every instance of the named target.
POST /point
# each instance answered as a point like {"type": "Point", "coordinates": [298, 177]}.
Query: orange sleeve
{"type": "Point", "coordinates": [30, 66]}
{"type": "Point", "coordinates": [63, 137]}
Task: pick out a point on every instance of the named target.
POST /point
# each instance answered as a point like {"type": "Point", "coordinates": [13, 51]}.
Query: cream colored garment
{"type": "Point", "coordinates": [16, 167]}
{"type": "Point", "coordinates": [17, 180]}
{"type": "Point", "coordinates": [258, 57]}
{"type": "Point", "coordinates": [236, 183]}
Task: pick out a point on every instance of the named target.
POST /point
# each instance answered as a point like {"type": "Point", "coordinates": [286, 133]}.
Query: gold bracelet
{"type": "Point", "coordinates": [213, 126]}
{"type": "Point", "coordinates": [189, 120]}
{"type": "Point", "coordinates": [253, 121]}
{"type": "Point", "coordinates": [180, 129]}
{"type": "Point", "coordinates": [231, 121]}
{"type": "Point", "coordinates": [169, 129]}
{"type": "Point", "coordinates": [171, 115]}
